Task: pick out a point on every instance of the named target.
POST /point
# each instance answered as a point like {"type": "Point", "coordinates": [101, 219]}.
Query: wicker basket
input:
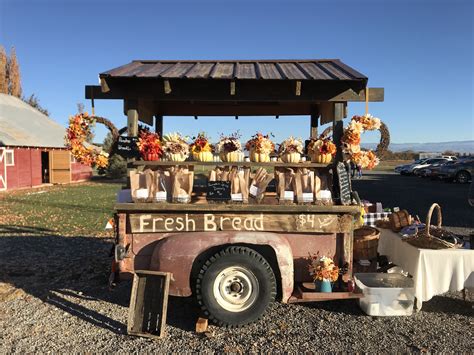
{"type": "Point", "coordinates": [434, 237]}
{"type": "Point", "coordinates": [366, 241]}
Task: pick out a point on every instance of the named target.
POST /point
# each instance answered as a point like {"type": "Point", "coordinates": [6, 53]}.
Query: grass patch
{"type": "Point", "coordinates": [69, 210]}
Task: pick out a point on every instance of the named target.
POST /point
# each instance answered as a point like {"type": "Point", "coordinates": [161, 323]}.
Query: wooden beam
{"type": "Point", "coordinates": [218, 91]}
{"type": "Point", "coordinates": [375, 95]}
{"type": "Point", "coordinates": [132, 122]}
{"type": "Point", "coordinates": [314, 123]}
{"type": "Point", "coordinates": [159, 125]}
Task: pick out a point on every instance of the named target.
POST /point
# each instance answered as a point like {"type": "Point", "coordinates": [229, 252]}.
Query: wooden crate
{"type": "Point", "coordinates": [148, 303]}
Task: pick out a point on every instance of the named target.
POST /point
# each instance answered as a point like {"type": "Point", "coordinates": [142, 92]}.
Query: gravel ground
{"type": "Point", "coordinates": [53, 298]}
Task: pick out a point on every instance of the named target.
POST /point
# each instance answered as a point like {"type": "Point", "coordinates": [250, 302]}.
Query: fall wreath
{"type": "Point", "coordinates": [367, 159]}
{"type": "Point", "coordinates": [79, 129]}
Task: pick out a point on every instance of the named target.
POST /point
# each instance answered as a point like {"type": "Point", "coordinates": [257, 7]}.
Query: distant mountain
{"type": "Point", "coordinates": [459, 147]}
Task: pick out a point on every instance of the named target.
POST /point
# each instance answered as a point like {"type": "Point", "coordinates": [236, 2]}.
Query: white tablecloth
{"type": "Point", "coordinates": [434, 271]}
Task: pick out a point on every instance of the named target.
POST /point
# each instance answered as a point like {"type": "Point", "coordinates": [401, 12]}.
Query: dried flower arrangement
{"type": "Point", "coordinates": [321, 150]}
{"type": "Point", "coordinates": [201, 149]}
{"type": "Point", "coordinates": [149, 145]}
{"type": "Point", "coordinates": [290, 150]}
{"type": "Point", "coordinates": [175, 147]}
{"type": "Point", "coordinates": [351, 140]}
{"type": "Point", "coordinates": [260, 147]}
{"type": "Point", "coordinates": [323, 268]}
{"type": "Point", "coordinates": [230, 148]}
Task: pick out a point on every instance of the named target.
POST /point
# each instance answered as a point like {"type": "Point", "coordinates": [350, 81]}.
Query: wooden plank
{"type": "Point", "coordinates": [132, 123]}
{"type": "Point", "coordinates": [199, 90]}
{"type": "Point", "coordinates": [159, 125]}
{"type": "Point", "coordinates": [243, 164]}
{"type": "Point", "coordinates": [213, 222]}
{"type": "Point", "coordinates": [192, 207]}
{"type": "Point", "coordinates": [314, 123]}
{"type": "Point", "coordinates": [375, 95]}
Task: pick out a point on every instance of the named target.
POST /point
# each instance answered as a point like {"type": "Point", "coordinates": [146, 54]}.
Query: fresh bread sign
{"type": "Point", "coordinates": [210, 222]}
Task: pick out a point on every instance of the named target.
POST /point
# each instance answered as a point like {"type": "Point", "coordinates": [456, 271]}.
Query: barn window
{"type": "Point", "coordinates": [9, 158]}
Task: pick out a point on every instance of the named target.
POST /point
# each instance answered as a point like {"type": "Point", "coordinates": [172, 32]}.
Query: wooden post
{"type": "Point", "coordinates": [132, 122]}
{"type": "Point", "coordinates": [159, 125]}
{"type": "Point", "coordinates": [338, 129]}
{"type": "Point", "coordinates": [314, 122]}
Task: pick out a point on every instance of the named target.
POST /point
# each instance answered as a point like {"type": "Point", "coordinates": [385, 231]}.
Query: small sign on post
{"type": "Point", "coordinates": [127, 147]}
{"type": "Point", "coordinates": [344, 184]}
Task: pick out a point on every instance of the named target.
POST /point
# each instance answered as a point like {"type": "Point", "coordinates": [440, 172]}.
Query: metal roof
{"type": "Point", "coordinates": [300, 69]}
{"type": "Point", "coordinates": [23, 125]}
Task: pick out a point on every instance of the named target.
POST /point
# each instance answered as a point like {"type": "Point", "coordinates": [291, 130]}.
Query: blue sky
{"type": "Point", "coordinates": [420, 51]}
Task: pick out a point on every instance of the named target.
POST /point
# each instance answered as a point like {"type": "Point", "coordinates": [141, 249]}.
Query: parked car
{"type": "Point", "coordinates": [461, 171]}
{"type": "Point", "coordinates": [420, 169]}
{"type": "Point", "coordinates": [433, 171]}
{"type": "Point", "coordinates": [402, 169]}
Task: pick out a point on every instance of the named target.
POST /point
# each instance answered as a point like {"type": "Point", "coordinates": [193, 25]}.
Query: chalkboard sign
{"type": "Point", "coordinates": [218, 191]}
{"type": "Point", "coordinates": [127, 147]}
{"type": "Point", "coordinates": [344, 184]}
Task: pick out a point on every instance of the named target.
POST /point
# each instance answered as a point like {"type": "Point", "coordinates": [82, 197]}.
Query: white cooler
{"type": "Point", "coordinates": [385, 294]}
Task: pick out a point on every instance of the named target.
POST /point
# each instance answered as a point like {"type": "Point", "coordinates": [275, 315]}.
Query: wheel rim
{"type": "Point", "coordinates": [235, 289]}
{"type": "Point", "coordinates": [462, 178]}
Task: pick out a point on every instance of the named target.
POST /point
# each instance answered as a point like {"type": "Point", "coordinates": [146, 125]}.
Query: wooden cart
{"type": "Point", "coordinates": [236, 258]}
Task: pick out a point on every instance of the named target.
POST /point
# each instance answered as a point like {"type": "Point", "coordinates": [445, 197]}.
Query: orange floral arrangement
{"type": "Point", "coordinates": [351, 140]}
{"type": "Point", "coordinates": [79, 129]}
{"type": "Point", "coordinates": [323, 268]}
{"type": "Point", "coordinates": [149, 145]}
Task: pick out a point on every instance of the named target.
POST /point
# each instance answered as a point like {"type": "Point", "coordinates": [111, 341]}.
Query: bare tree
{"type": "Point", "coordinates": [3, 71]}
{"type": "Point", "coordinates": [33, 101]}
{"type": "Point", "coordinates": [80, 107]}
{"type": "Point", "coordinates": [14, 78]}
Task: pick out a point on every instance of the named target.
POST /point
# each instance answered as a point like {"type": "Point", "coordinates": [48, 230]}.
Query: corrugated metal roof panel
{"type": "Point", "coordinates": [22, 125]}
{"type": "Point", "coordinates": [309, 69]}
{"type": "Point", "coordinates": [269, 71]}
{"type": "Point", "coordinates": [223, 71]}
{"type": "Point", "coordinates": [291, 71]}
{"type": "Point", "coordinates": [177, 71]}
{"type": "Point", "coordinates": [200, 70]}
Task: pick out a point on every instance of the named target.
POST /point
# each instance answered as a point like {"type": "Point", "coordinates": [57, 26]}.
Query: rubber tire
{"type": "Point", "coordinates": [235, 256]}
{"type": "Point", "coordinates": [465, 174]}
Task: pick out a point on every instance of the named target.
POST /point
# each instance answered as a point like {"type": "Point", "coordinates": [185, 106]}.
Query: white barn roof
{"type": "Point", "coordinates": [23, 125]}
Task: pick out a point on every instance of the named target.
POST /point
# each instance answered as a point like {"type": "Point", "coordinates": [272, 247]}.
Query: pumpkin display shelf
{"type": "Point", "coordinates": [276, 164]}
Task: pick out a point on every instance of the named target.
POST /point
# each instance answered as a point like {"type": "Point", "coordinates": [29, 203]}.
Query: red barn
{"type": "Point", "coordinates": [32, 150]}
